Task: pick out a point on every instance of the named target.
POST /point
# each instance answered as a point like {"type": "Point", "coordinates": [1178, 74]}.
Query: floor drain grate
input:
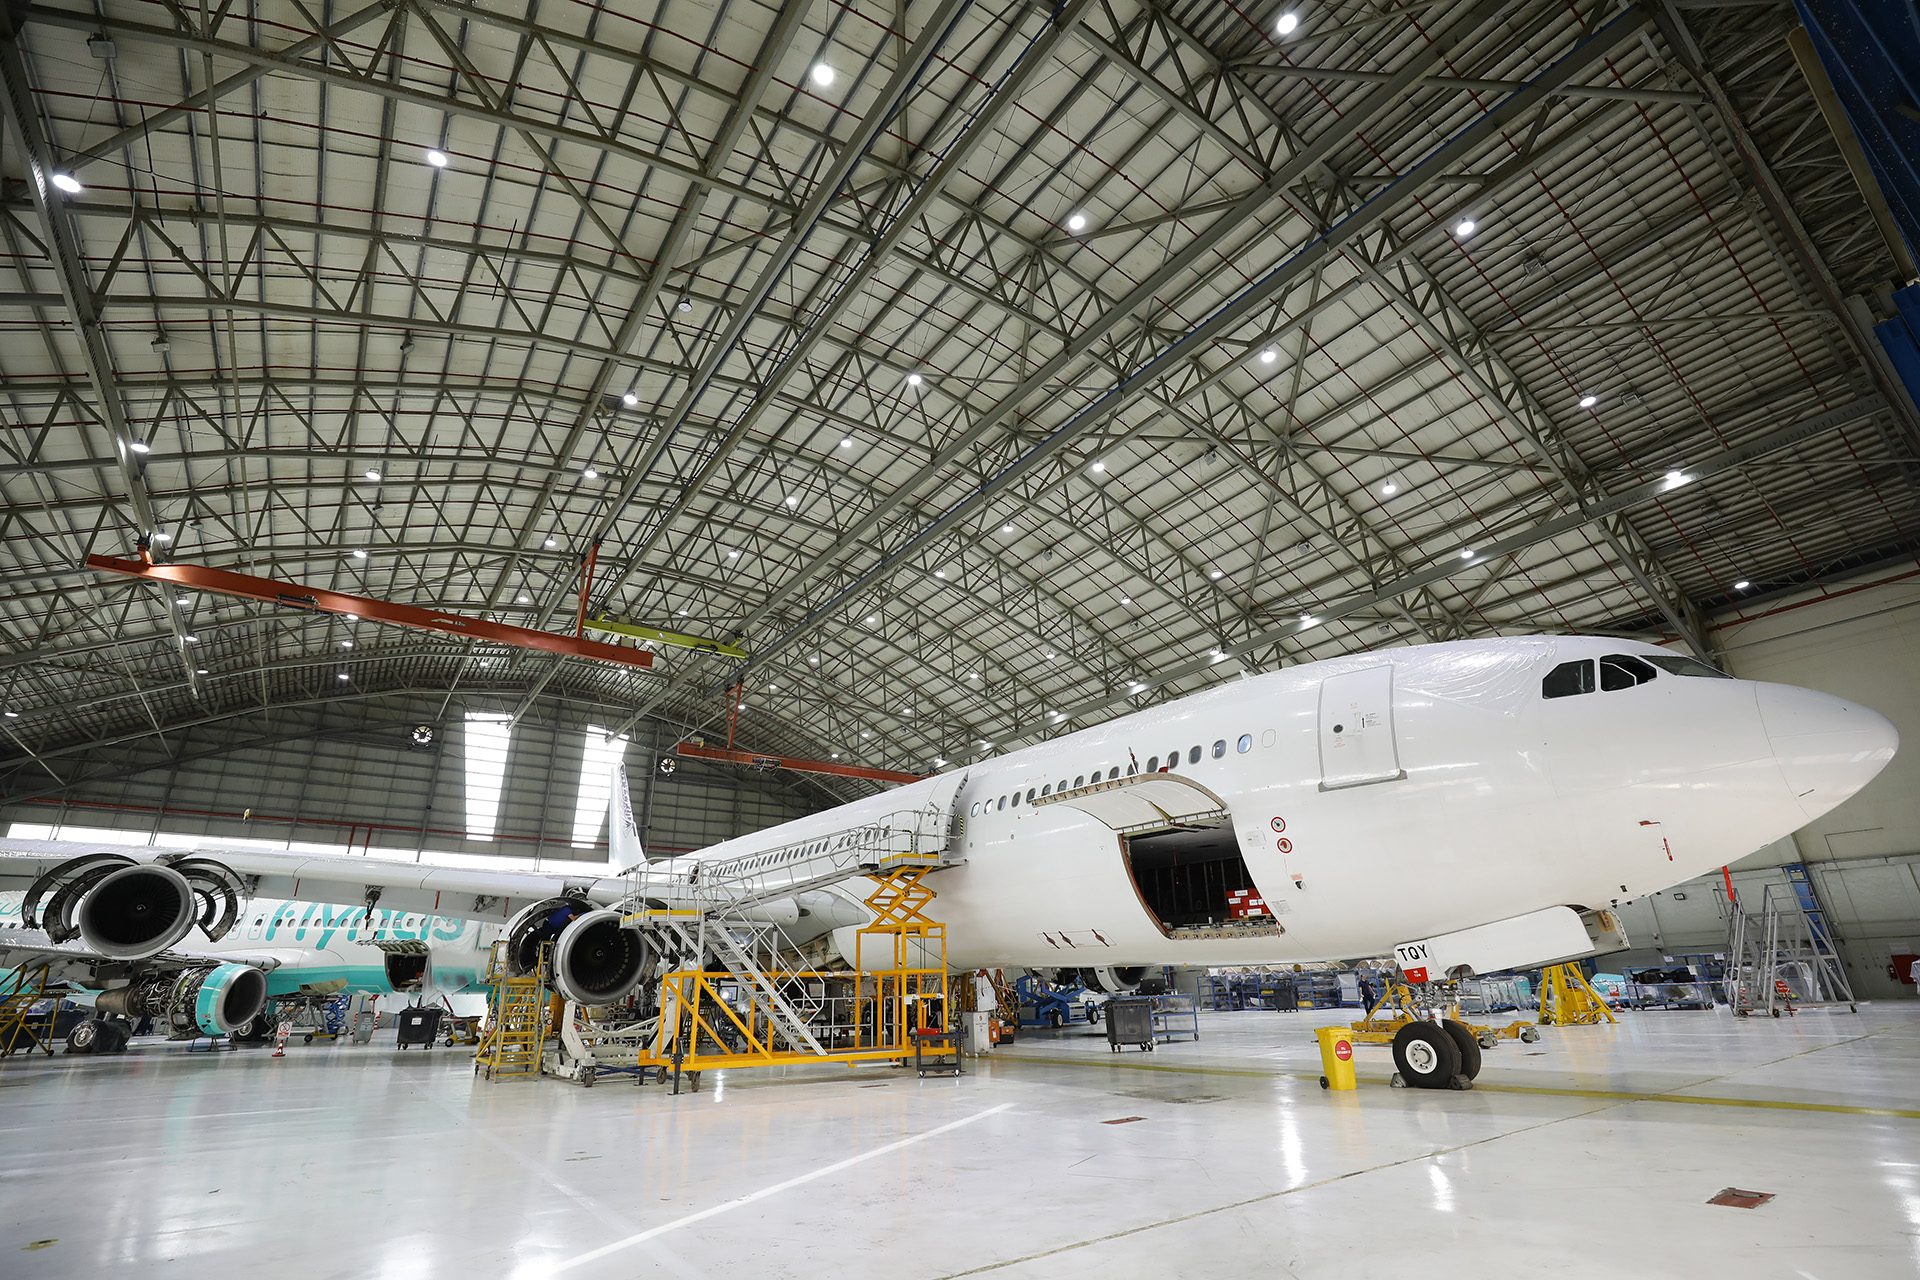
{"type": "Point", "coordinates": [1735, 1198]}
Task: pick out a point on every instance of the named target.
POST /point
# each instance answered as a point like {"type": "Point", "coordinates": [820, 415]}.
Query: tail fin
{"type": "Point", "coordinates": [624, 851]}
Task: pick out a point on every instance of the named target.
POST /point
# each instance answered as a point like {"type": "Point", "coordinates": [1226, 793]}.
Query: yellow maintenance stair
{"type": "Point", "coordinates": [516, 1029]}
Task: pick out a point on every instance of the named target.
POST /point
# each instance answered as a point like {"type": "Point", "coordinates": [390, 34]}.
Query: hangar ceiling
{"type": "Point", "coordinates": [984, 369]}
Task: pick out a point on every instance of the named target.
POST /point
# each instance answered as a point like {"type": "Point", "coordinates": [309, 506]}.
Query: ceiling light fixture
{"type": "Point", "coordinates": [590, 474]}
{"type": "Point", "coordinates": [1588, 401]}
{"type": "Point", "coordinates": [1675, 479]}
{"type": "Point", "coordinates": [346, 644]}
{"type": "Point", "coordinates": [1214, 574]}
{"type": "Point", "coordinates": [685, 304]}
{"type": "Point", "coordinates": [1464, 228]}
{"type": "Point", "coordinates": [1288, 24]}
{"type": "Point", "coordinates": [940, 573]}
{"type": "Point", "coordinates": [359, 553]}
{"type": "Point", "coordinates": [199, 671]}
{"type": "Point", "coordinates": [550, 544]}
{"type": "Point", "coordinates": [846, 442]}
{"type": "Point", "coordinates": [1741, 585]}
{"type": "Point", "coordinates": [138, 445]}
{"type": "Point", "coordinates": [192, 639]}
{"type": "Point", "coordinates": [1077, 222]}
{"type": "Point", "coordinates": [872, 619]}
{"type": "Point", "coordinates": [1389, 489]}
{"type": "Point", "coordinates": [1098, 466]}
{"type": "Point", "coordinates": [1466, 553]}
{"type": "Point", "coordinates": [342, 676]}
{"type": "Point", "coordinates": [914, 379]}
{"type": "Point", "coordinates": [525, 599]}
{"type": "Point", "coordinates": [373, 474]}
{"type": "Point", "coordinates": [161, 535]}
{"type": "Point", "coordinates": [629, 399]}
{"type": "Point", "coordinates": [822, 74]}
{"type": "Point", "coordinates": [1269, 356]}
{"type": "Point", "coordinates": [733, 555]}
{"type": "Point", "coordinates": [438, 159]}
{"type": "Point", "coordinates": [793, 500]}
{"type": "Point", "coordinates": [67, 183]}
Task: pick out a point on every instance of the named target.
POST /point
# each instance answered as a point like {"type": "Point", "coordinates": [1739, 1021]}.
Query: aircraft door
{"type": "Point", "coordinates": [1357, 745]}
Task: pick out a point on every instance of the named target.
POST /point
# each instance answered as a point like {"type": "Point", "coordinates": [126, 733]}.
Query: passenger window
{"type": "Point", "coordinates": [1678, 666]}
{"type": "Point", "coordinates": [1245, 744]}
{"type": "Point", "coordinates": [1623, 671]}
{"type": "Point", "coordinates": [1029, 795]}
{"type": "Point", "coordinates": [1153, 764]}
{"type": "Point", "coordinates": [1047, 790]}
{"type": "Point", "coordinates": [1219, 748]}
{"type": "Point", "coordinates": [1193, 755]}
{"type": "Point", "coordinates": [1016, 799]}
{"type": "Point", "coordinates": [1266, 737]}
{"type": "Point", "coordinates": [1173, 761]}
{"type": "Point", "coordinates": [1060, 785]}
{"type": "Point", "coordinates": [1568, 679]}
{"type": "Point", "coordinates": [1113, 773]}
{"type": "Point", "coordinates": [1080, 781]}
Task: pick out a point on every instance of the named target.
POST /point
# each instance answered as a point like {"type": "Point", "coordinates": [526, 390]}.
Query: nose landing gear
{"type": "Point", "coordinates": [1435, 1056]}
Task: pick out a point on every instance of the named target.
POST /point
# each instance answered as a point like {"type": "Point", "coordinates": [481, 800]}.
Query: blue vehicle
{"type": "Point", "coordinates": [1048, 1004]}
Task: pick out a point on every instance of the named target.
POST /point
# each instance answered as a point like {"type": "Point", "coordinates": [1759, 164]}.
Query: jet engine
{"type": "Point", "coordinates": [599, 960]}
{"type": "Point", "coordinates": [1114, 980]}
{"type": "Point", "coordinates": [202, 1000]}
{"type": "Point", "coordinates": [128, 910]}
{"type": "Point", "coordinates": [135, 912]}
{"type": "Point", "coordinates": [596, 959]}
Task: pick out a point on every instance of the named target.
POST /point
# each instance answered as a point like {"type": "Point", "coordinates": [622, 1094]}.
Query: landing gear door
{"type": "Point", "coordinates": [1357, 745]}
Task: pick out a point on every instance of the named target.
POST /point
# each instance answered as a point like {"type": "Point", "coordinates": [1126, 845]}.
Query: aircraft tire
{"type": "Point", "coordinates": [1469, 1047]}
{"type": "Point", "coordinates": [85, 1036]}
{"type": "Point", "coordinates": [1426, 1056]}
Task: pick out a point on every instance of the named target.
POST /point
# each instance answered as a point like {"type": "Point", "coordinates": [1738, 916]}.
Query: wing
{"type": "Point", "coordinates": [72, 962]}
{"type": "Point", "coordinates": [343, 880]}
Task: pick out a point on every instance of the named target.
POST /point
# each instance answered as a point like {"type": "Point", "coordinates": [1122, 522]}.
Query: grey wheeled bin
{"type": "Point", "coordinates": [1130, 1021]}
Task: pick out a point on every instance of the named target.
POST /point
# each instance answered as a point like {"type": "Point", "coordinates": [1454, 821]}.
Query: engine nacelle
{"type": "Point", "coordinates": [598, 959]}
{"type": "Point", "coordinates": [538, 925]}
{"type": "Point", "coordinates": [136, 912]}
{"type": "Point", "coordinates": [208, 1000]}
{"type": "Point", "coordinates": [1114, 980]}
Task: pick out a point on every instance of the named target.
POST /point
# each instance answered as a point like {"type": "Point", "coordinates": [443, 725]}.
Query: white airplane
{"type": "Point", "coordinates": [1471, 806]}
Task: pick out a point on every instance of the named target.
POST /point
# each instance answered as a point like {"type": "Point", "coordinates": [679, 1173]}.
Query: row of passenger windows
{"type": "Point", "coordinates": [1154, 765]}
{"type": "Point", "coordinates": [1620, 671]}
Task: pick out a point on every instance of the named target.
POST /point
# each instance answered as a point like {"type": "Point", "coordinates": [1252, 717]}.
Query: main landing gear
{"type": "Point", "coordinates": [1430, 1055]}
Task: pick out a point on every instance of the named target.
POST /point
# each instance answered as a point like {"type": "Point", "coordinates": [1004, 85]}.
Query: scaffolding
{"type": "Point", "coordinates": [517, 1018]}
{"type": "Point", "coordinates": [1782, 958]}
{"type": "Point", "coordinates": [27, 1010]}
{"type": "Point", "coordinates": [736, 992]}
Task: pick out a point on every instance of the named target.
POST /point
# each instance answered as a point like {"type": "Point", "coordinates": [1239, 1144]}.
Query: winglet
{"type": "Point", "coordinates": [624, 851]}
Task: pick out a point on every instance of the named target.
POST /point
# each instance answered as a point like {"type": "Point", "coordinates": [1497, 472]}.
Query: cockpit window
{"type": "Point", "coordinates": [1568, 679]}
{"type": "Point", "coordinates": [1675, 665]}
{"type": "Point", "coordinates": [1623, 671]}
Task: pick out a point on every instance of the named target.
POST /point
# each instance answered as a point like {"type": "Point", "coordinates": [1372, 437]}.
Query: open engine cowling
{"type": "Point", "coordinates": [208, 999]}
{"type": "Point", "coordinates": [136, 912]}
{"type": "Point", "coordinates": [599, 960]}
{"type": "Point", "coordinates": [538, 925]}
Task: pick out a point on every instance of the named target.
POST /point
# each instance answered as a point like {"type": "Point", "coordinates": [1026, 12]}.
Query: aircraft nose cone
{"type": "Point", "coordinates": [1828, 748]}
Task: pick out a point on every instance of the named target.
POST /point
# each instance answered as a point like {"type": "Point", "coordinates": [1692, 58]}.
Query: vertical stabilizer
{"type": "Point", "coordinates": [624, 850]}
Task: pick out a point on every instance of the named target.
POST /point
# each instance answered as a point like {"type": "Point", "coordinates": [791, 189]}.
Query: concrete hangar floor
{"type": "Point", "coordinates": [1592, 1153]}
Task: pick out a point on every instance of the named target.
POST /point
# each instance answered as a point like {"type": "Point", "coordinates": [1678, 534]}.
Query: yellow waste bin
{"type": "Point", "coordinates": [1336, 1057]}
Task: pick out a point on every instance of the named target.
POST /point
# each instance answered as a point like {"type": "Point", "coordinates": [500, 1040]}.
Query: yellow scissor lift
{"type": "Point", "coordinates": [1399, 1005]}
{"type": "Point", "coordinates": [754, 1016]}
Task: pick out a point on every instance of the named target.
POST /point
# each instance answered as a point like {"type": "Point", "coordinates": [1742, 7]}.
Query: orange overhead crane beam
{"type": "Point", "coordinates": [293, 595]}
{"type": "Point", "coordinates": [727, 755]}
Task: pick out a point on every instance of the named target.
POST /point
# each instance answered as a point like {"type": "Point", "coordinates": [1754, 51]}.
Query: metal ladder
{"type": "Point", "coordinates": [21, 1029]}
{"type": "Point", "coordinates": [1782, 957]}
{"type": "Point", "coordinates": [516, 1018]}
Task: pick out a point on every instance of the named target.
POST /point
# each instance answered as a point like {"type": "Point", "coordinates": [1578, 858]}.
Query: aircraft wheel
{"type": "Point", "coordinates": [1468, 1046]}
{"type": "Point", "coordinates": [1426, 1056]}
{"type": "Point", "coordinates": [85, 1036]}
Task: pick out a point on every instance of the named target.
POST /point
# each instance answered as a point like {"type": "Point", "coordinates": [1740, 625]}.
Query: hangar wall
{"type": "Point", "coordinates": [1860, 640]}
{"type": "Point", "coordinates": [372, 788]}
